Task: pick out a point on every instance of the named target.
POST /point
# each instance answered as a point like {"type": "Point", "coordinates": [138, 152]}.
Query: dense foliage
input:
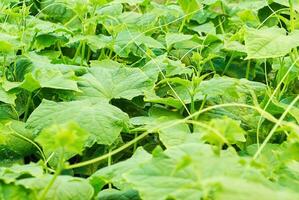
{"type": "Point", "coordinates": [153, 100]}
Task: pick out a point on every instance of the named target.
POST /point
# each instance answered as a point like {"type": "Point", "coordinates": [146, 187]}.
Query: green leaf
{"type": "Point", "coordinates": [269, 42]}
{"type": "Point", "coordinates": [130, 2]}
{"type": "Point", "coordinates": [39, 72]}
{"type": "Point", "coordinates": [95, 42]}
{"type": "Point", "coordinates": [113, 174]}
{"type": "Point", "coordinates": [238, 189]}
{"type": "Point", "coordinates": [189, 6]}
{"type": "Point", "coordinates": [13, 173]}
{"type": "Point", "coordinates": [66, 138]}
{"type": "Point", "coordinates": [126, 40]}
{"type": "Point", "coordinates": [10, 191]}
{"type": "Point", "coordinates": [6, 97]}
{"type": "Point", "coordinates": [223, 131]}
{"type": "Point", "coordinates": [159, 117]}
{"type": "Point", "coordinates": [11, 144]}
{"type": "Point", "coordinates": [208, 28]}
{"type": "Point", "coordinates": [64, 187]}
{"type": "Point", "coordinates": [8, 43]}
{"type": "Point", "coordinates": [111, 194]}
{"type": "Point", "coordinates": [172, 38]}
{"type": "Point", "coordinates": [108, 80]}
{"type": "Point", "coordinates": [103, 121]}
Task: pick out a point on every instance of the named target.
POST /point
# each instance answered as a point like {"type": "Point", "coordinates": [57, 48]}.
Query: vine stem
{"type": "Point", "coordinates": [27, 107]}
{"type": "Point", "coordinates": [182, 25]}
{"type": "Point", "coordinates": [88, 162]}
{"type": "Point", "coordinates": [275, 127]}
{"type": "Point", "coordinates": [52, 181]}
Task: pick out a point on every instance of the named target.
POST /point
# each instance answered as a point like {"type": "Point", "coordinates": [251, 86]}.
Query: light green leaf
{"type": "Point", "coordinates": [103, 121]}
{"type": "Point", "coordinates": [130, 2]}
{"type": "Point", "coordinates": [125, 41]}
{"type": "Point", "coordinates": [240, 189]}
{"type": "Point", "coordinates": [110, 194]}
{"type": "Point", "coordinates": [10, 141]}
{"type": "Point", "coordinates": [67, 138]}
{"type": "Point", "coordinates": [172, 38]}
{"type": "Point", "coordinates": [95, 42]}
{"type": "Point", "coordinates": [6, 97]}
{"type": "Point", "coordinates": [38, 72]}
{"type": "Point", "coordinates": [113, 174]}
{"type": "Point", "coordinates": [10, 191]}
{"type": "Point", "coordinates": [189, 6]}
{"type": "Point", "coordinates": [11, 174]}
{"type": "Point", "coordinates": [224, 131]}
{"type": "Point", "coordinates": [208, 28]}
{"type": "Point", "coordinates": [269, 42]}
{"type": "Point", "coordinates": [108, 80]}
{"type": "Point", "coordinates": [174, 135]}
{"type": "Point", "coordinates": [8, 43]}
{"type": "Point", "coordinates": [64, 187]}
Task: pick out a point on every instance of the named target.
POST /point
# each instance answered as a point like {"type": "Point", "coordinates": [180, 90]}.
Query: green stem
{"type": "Point", "coordinates": [56, 174]}
{"type": "Point", "coordinates": [61, 54]}
{"type": "Point", "coordinates": [109, 164]}
{"type": "Point", "coordinates": [202, 105]}
{"type": "Point", "coordinates": [263, 113]}
{"type": "Point", "coordinates": [83, 53]}
{"type": "Point", "coordinates": [248, 69]}
{"type": "Point", "coordinates": [88, 55]}
{"type": "Point", "coordinates": [275, 128]}
{"type": "Point", "coordinates": [103, 157]}
{"type": "Point", "coordinates": [228, 64]}
{"type": "Point", "coordinates": [27, 107]}
{"type": "Point", "coordinates": [136, 143]}
{"type": "Point", "coordinates": [221, 26]}
{"type": "Point", "coordinates": [182, 25]}
{"type": "Point", "coordinates": [292, 16]}
{"type": "Point", "coordinates": [77, 52]}
{"type": "Point", "coordinates": [292, 22]}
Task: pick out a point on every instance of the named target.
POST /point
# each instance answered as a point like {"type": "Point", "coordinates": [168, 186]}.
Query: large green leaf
{"type": "Point", "coordinates": [10, 191]}
{"type": "Point", "coordinates": [64, 187]}
{"type": "Point", "coordinates": [103, 121]}
{"type": "Point", "coordinates": [269, 42]}
{"type": "Point", "coordinates": [108, 80]}
{"type": "Point", "coordinates": [113, 174]}
{"type": "Point", "coordinates": [13, 173]}
{"type": "Point", "coordinates": [185, 172]}
{"type": "Point", "coordinates": [38, 72]}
